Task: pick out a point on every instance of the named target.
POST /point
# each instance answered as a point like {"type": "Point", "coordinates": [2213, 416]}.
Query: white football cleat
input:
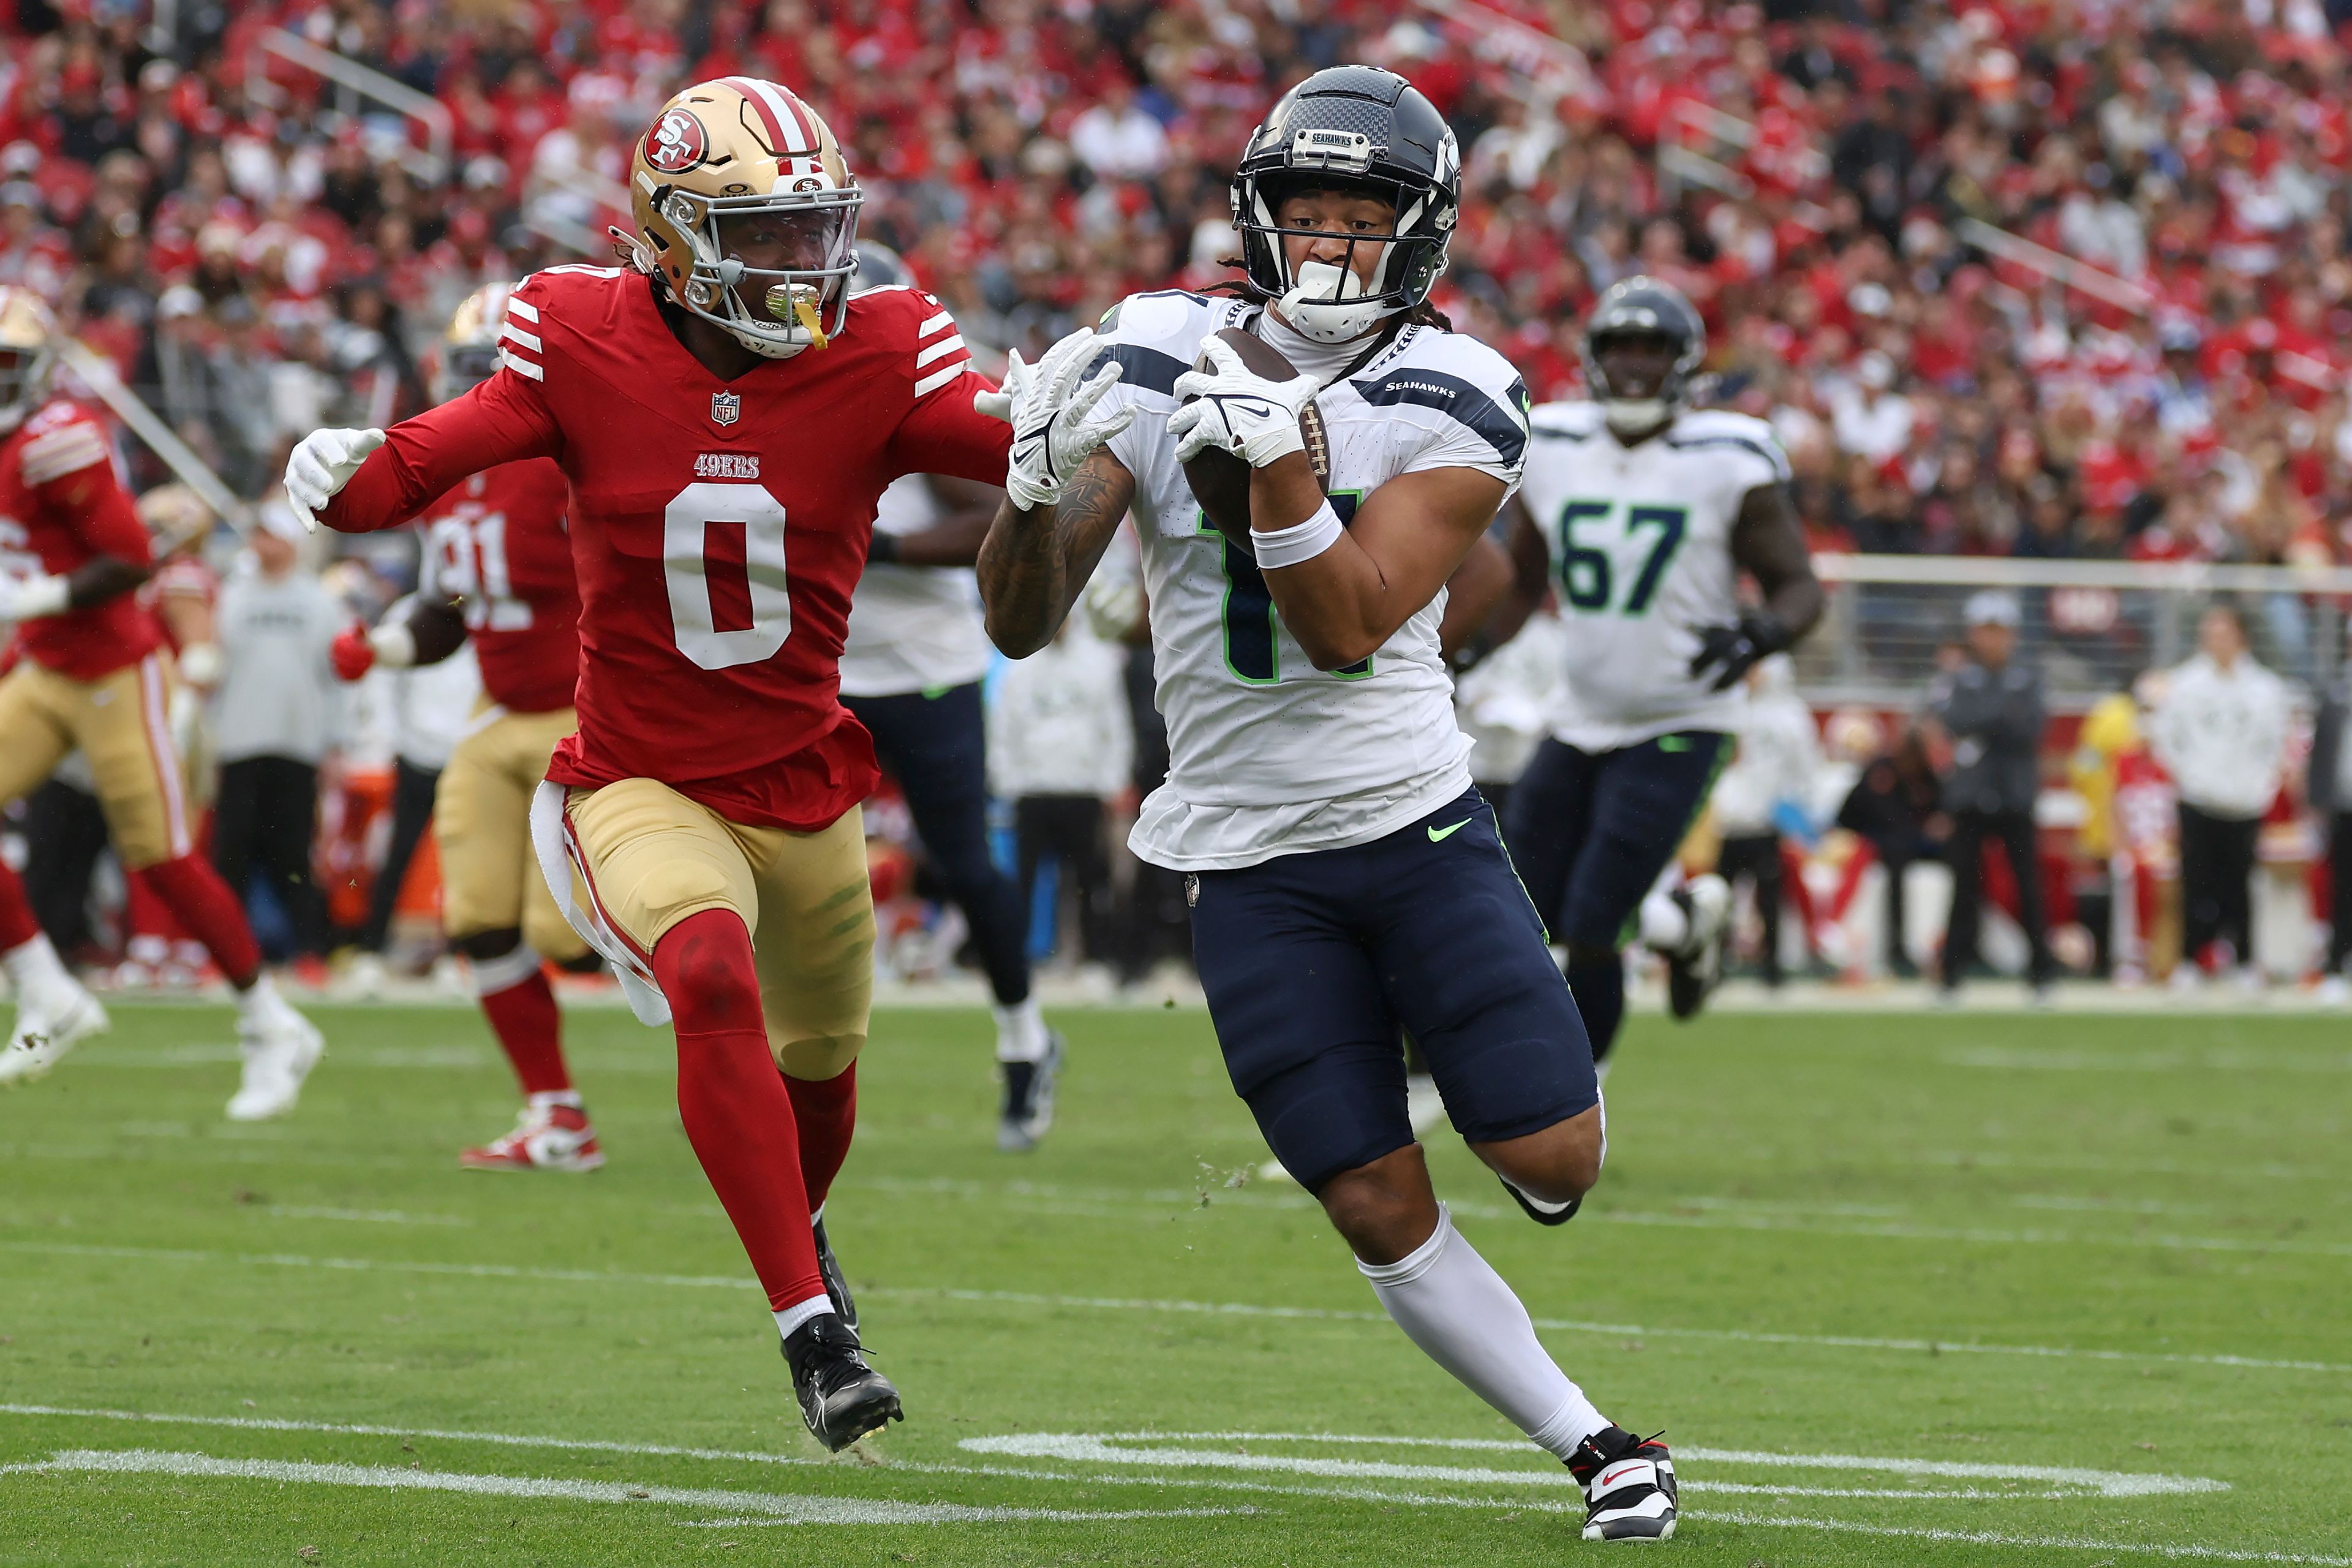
{"type": "Point", "coordinates": [279, 1055]}
{"type": "Point", "coordinates": [545, 1138]}
{"type": "Point", "coordinates": [49, 1023]}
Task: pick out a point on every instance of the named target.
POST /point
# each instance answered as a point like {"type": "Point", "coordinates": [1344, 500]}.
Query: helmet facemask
{"type": "Point", "coordinates": [1332, 301]}
{"type": "Point", "coordinates": [1642, 307]}
{"type": "Point", "coordinates": [24, 381]}
{"type": "Point", "coordinates": [28, 354]}
{"type": "Point", "coordinates": [778, 311]}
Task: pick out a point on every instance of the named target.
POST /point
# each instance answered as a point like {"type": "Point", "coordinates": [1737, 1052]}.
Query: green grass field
{"type": "Point", "coordinates": [1960, 1289]}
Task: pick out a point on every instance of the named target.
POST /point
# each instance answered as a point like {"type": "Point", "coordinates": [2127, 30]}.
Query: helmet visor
{"type": "Point", "coordinates": [786, 243]}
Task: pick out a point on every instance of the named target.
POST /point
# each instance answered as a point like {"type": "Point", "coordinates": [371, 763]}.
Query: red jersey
{"type": "Point", "coordinates": [62, 507]}
{"type": "Point", "coordinates": [718, 528]}
{"type": "Point", "coordinates": [500, 543]}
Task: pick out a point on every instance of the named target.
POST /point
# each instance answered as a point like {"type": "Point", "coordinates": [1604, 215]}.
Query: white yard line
{"type": "Point", "coordinates": [777, 1506]}
{"type": "Point", "coordinates": [1227, 1308]}
{"type": "Point", "coordinates": [2188, 1552]}
{"type": "Point", "coordinates": [1218, 1483]}
{"type": "Point", "coordinates": [1114, 1448]}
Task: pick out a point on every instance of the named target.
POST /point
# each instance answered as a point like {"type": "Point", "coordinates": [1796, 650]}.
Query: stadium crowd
{"type": "Point", "coordinates": [260, 253]}
{"type": "Point", "coordinates": [263, 261]}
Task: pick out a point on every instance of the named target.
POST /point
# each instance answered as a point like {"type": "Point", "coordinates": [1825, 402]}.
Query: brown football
{"type": "Point", "coordinates": [1220, 481]}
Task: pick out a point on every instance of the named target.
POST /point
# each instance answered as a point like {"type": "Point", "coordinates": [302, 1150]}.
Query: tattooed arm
{"type": "Point", "coordinates": [1033, 563]}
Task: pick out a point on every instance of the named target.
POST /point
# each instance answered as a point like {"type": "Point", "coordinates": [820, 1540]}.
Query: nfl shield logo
{"type": "Point", "coordinates": [726, 408]}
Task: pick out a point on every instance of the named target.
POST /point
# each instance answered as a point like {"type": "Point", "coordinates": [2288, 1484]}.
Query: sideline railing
{"type": "Point", "coordinates": [97, 373]}
{"type": "Point", "coordinates": [2094, 626]}
{"type": "Point", "coordinates": [357, 81]}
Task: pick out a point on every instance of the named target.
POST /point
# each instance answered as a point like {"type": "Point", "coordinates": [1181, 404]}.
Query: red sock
{"type": "Point", "coordinates": [826, 1111]}
{"type": "Point", "coordinates": [203, 904]}
{"type": "Point", "coordinates": [17, 926]}
{"type": "Point", "coordinates": [737, 1113]}
{"type": "Point", "coordinates": [523, 1015]}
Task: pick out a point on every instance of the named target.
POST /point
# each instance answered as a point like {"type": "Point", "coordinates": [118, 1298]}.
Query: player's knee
{"type": "Point", "coordinates": [483, 946]}
{"type": "Point", "coordinates": [819, 1059]}
{"type": "Point", "coordinates": [1558, 1165]}
{"type": "Point", "coordinates": [1385, 1210]}
{"type": "Point", "coordinates": [704, 967]}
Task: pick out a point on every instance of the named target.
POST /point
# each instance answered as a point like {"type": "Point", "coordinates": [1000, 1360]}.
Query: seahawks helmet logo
{"type": "Point", "coordinates": [677, 142]}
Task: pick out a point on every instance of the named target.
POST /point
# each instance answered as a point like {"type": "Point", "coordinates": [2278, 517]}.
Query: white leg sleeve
{"type": "Point", "coordinates": [1451, 1303]}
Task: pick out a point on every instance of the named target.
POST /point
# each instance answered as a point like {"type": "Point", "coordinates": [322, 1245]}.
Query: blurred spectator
{"type": "Point", "coordinates": [1768, 785]}
{"type": "Point", "coordinates": [2221, 733]}
{"type": "Point", "coordinates": [1896, 806]}
{"type": "Point", "coordinates": [1990, 708]}
{"type": "Point", "coordinates": [275, 715]}
{"type": "Point", "coordinates": [1059, 747]}
{"type": "Point", "coordinates": [431, 708]}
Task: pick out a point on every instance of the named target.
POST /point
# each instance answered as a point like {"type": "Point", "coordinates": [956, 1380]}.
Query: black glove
{"type": "Point", "coordinates": [1758, 634]}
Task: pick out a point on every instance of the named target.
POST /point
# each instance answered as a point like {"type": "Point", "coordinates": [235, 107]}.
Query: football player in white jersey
{"type": "Point", "coordinates": [910, 671]}
{"type": "Point", "coordinates": [1346, 879]}
{"type": "Point", "coordinates": [1644, 514]}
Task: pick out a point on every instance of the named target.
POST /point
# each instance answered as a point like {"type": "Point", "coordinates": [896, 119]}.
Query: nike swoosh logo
{"type": "Point", "coordinates": [1439, 835]}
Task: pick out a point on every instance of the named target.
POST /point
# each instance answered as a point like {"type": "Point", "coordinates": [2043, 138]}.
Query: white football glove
{"type": "Point", "coordinates": [1050, 406]}
{"type": "Point", "coordinates": [1239, 411]}
{"type": "Point", "coordinates": [322, 464]}
{"type": "Point", "coordinates": [32, 597]}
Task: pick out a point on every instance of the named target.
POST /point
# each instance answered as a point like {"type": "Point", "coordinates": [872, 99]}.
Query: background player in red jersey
{"type": "Point", "coordinates": [95, 675]}
{"type": "Point", "coordinates": [497, 567]}
{"type": "Point", "coordinates": [727, 417]}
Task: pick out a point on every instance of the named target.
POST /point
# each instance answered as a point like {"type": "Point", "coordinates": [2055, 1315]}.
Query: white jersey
{"type": "Point", "coordinates": [1640, 540]}
{"type": "Point", "coordinates": [912, 628]}
{"type": "Point", "coordinates": [1268, 754]}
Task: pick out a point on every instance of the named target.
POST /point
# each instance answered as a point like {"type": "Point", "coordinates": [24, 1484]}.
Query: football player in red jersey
{"type": "Point", "coordinates": [497, 567]}
{"type": "Point", "coordinates": [96, 676]}
{"type": "Point", "coordinates": [728, 417]}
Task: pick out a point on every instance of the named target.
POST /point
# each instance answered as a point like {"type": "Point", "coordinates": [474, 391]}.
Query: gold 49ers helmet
{"type": "Point", "coordinates": [27, 353]}
{"type": "Point", "coordinates": [469, 351]}
{"type": "Point", "coordinates": [746, 211]}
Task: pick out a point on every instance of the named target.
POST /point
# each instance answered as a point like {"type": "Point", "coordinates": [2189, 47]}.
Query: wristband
{"type": "Point", "coordinates": [394, 645]}
{"type": "Point", "coordinates": [882, 549]}
{"type": "Point", "coordinates": [1300, 541]}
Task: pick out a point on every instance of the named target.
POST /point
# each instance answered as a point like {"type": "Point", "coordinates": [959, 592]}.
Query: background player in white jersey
{"type": "Point", "coordinates": [1644, 514]}
{"type": "Point", "coordinates": [1346, 879]}
{"type": "Point", "coordinates": [910, 671]}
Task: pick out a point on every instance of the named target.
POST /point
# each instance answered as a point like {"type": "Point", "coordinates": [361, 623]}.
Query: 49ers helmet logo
{"type": "Point", "coordinates": [677, 142]}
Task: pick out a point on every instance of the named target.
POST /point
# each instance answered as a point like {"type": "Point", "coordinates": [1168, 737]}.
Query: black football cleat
{"type": "Point", "coordinates": [1695, 969]}
{"type": "Point", "coordinates": [1541, 1212]}
{"type": "Point", "coordinates": [841, 1398]}
{"type": "Point", "coordinates": [1629, 1486]}
{"type": "Point", "coordinates": [1029, 1099]}
{"type": "Point", "coordinates": [837, 1283]}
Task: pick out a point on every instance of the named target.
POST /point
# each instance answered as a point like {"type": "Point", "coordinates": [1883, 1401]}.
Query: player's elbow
{"type": "Point", "coordinates": [1014, 636]}
{"type": "Point", "coordinates": [1336, 648]}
